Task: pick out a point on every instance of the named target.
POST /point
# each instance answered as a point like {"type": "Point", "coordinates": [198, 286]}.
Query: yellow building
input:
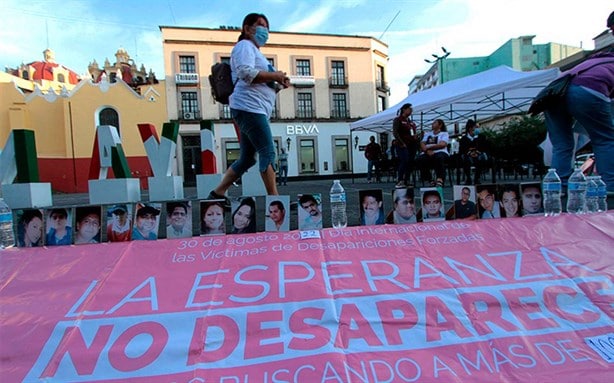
{"type": "Point", "coordinates": [65, 121]}
{"type": "Point", "coordinates": [338, 79]}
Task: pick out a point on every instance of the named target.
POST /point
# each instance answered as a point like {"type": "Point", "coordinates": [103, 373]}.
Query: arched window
{"type": "Point", "coordinates": [25, 75]}
{"type": "Point", "coordinates": [61, 78]}
{"type": "Point", "coordinates": [109, 116]}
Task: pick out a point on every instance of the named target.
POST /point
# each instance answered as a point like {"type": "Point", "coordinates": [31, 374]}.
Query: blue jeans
{"type": "Point", "coordinates": [595, 115]}
{"type": "Point", "coordinates": [255, 138]}
{"type": "Point", "coordinates": [370, 165]}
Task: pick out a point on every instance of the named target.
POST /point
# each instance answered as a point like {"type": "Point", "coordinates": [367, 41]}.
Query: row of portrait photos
{"type": "Point", "coordinates": [142, 221]}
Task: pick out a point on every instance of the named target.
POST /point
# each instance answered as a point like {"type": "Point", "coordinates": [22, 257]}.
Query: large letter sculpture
{"type": "Point", "coordinates": [18, 163]}
{"type": "Point", "coordinates": [108, 153]}
{"type": "Point", "coordinates": [163, 185]}
{"type": "Point", "coordinates": [209, 178]}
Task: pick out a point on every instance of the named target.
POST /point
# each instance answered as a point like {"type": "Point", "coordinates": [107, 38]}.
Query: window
{"type": "Point", "coordinates": [232, 152]}
{"type": "Point", "coordinates": [341, 155]}
{"type": "Point", "coordinates": [303, 67]}
{"type": "Point", "coordinates": [187, 64]}
{"type": "Point", "coordinates": [61, 78]}
{"type": "Point", "coordinates": [337, 73]}
{"type": "Point", "coordinates": [307, 155]}
{"type": "Point", "coordinates": [189, 105]}
{"type": "Point", "coordinates": [108, 116]}
{"type": "Point", "coordinates": [339, 109]}
{"type": "Point", "coordinates": [305, 105]}
{"type": "Point", "coordinates": [25, 75]}
{"type": "Point", "coordinates": [381, 103]}
{"type": "Point", "coordinates": [380, 82]}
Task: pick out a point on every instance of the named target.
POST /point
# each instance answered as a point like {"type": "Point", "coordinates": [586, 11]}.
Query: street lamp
{"type": "Point", "coordinates": [288, 142]}
{"type": "Point", "coordinates": [439, 60]}
{"type": "Point", "coordinates": [355, 142]}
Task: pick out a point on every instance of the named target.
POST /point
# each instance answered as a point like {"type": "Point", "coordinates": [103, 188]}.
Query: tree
{"type": "Point", "coordinates": [518, 141]}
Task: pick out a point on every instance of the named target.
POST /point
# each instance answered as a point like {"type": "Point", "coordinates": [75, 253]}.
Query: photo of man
{"type": "Point", "coordinates": [488, 206]}
{"type": "Point", "coordinates": [87, 224]}
{"type": "Point", "coordinates": [464, 203]}
{"type": "Point", "coordinates": [404, 206]}
{"type": "Point", "coordinates": [276, 217]}
{"type": "Point", "coordinates": [119, 223]}
{"type": "Point", "coordinates": [59, 227]}
{"type": "Point", "coordinates": [310, 214]}
{"type": "Point", "coordinates": [146, 222]}
{"type": "Point", "coordinates": [178, 219]}
{"type": "Point", "coordinates": [432, 205]}
{"type": "Point", "coordinates": [371, 207]}
{"type": "Point", "coordinates": [531, 199]}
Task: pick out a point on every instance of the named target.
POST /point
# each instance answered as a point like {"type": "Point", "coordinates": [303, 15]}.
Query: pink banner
{"type": "Point", "coordinates": [514, 300]}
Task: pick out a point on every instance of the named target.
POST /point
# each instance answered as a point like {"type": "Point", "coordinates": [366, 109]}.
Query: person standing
{"type": "Point", "coordinates": [283, 167]}
{"type": "Point", "coordinates": [404, 132]}
{"type": "Point", "coordinates": [251, 104]}
{"type": "Point", "coordinates": [588, 101]}
{"type": "Point", "coordinates": [373, 152]}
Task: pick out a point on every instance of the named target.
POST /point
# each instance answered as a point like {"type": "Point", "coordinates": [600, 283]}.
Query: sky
{"type": "Point", "coordinates": [79, 31]}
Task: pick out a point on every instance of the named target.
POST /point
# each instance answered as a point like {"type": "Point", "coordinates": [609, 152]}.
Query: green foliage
{"type": "Point", "coordinates": [518, 141]}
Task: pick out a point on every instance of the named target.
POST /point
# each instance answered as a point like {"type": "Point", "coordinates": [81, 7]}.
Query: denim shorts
{"type": "Point", "coordinates": [255, 138]}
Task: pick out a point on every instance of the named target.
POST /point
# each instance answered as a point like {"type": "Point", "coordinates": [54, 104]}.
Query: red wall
{"type": "Point", "coordinates": [70, 176]}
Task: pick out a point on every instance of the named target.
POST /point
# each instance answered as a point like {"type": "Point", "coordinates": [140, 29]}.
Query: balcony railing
{"type": "Point", "coordinates": [339, 113]}
{"type": "Point", "coordinates": [338, 82]}
{"type": "Point", "coordinates": [189, 114]}
{"type": "Point", "coordinates": [382, 86]}
{"type": "Point", "coordinates": [305, 113]}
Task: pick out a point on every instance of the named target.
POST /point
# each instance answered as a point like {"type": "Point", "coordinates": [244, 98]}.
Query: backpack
{"type": "Point", "coordinates": [221, 82]}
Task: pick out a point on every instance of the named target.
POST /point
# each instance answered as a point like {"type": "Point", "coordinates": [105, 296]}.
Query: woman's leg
{"type": "Point", "coordinates": [403, 160]}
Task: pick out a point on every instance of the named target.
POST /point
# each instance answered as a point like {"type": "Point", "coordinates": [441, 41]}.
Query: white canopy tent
{"type": "Point", "coordinates": [486, 95]}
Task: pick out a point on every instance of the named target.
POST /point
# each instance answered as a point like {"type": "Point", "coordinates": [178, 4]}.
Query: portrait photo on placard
{"type": "Point", "coordinates": [29, 227]}
{"type": "Point", "coordinates": [146, 221]}
{"type": "Point", "coordinates": [87, 224]}
{"type": "Point", "coordinates": [488, 202]}
{"type": "Point", "coordinates": [243, 218]}
{"type": "Point", "coordinates": [531, 196]}
{"type": "Point", "coordinates": [404, 206]}
{"type": "Point", "coordinates": [371, 205]}
{"type": "Point", "coordinates": [119, 222]}
{"type": "Point", "coordinates": [310, 211]}
{"type": "Point", "coordinates": [511, 203]}
{"type": "Point", "coordinates": [277, 213]}
{"type": "Point", "coordinates": [464, 202]}
{"type": "Point", "coordinates": [58, 226]}
{"type": "Point", "coordinates": [432, 205]}
{"type": "Point", "coordinates": [212, 217]}
{"type": "Point", "coordinates": [178, 219]}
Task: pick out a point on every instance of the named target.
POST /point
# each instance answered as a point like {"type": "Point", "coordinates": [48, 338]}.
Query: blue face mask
{"type": "Point", "coordinates": [261, 36]}
{"type": "Point", "coordinates": [476, 131]}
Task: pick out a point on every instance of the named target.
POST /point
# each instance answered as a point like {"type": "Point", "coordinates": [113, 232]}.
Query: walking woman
{"type": "Point", "coordinates": [251, 104]}
{"type": "Point", "coordinates": [404, 132]}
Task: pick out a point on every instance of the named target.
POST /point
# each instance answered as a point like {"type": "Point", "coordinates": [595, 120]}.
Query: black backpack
{"type": "Point", "coordinates": [221, 82]}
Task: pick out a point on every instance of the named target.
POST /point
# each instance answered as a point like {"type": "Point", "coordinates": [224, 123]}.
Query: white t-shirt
{"type": "Point", "coordinates": [245, 62]}
{"type": "Point", "coordinates": [430, 138]}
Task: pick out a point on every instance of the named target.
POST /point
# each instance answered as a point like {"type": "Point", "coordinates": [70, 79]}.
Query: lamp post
{"type": "Point", "coordinates": [288, 142]}
{"type": "Point", "coordinates": [439, 61]}
{"type": "Point", "coordinates": [355, 142]}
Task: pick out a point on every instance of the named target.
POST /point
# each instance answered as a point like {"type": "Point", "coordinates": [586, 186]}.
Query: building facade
{"type": "Point", "coordinates": [64, 123]}
{"type": "Point", "coordinates": [337, 79]}
{"type": "Point", "coordinates": [518, 53]}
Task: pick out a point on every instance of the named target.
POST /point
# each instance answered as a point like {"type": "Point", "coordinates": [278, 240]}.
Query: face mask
{"type": "Point", "coordinates": [476, 131]}
{"type": "Point", "coordinates": [261, 36]}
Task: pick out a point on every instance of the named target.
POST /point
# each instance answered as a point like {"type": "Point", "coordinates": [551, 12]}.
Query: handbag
{"type": "Point", "coordinates": [551, 95]}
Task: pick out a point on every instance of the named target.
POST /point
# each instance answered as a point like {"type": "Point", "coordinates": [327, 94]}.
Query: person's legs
{"type": "Point", "coordinates": [411, 159]}
{"type": "Point", "coordinates": [595, 115]}
{"type": "Point", "coordinates": [402, 168]}
{"type": "Point", "coordinates": [467, 168]}
{"type": "Point", "coordinates": [559, 124]}
{"type": "Point", "coordinates": [283, 173]}
{"type": "Point", "coordinates": [439, 164]}
{"type": "Point", "coordinates": [369, 170]}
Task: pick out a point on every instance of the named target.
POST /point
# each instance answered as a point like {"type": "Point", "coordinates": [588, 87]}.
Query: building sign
{"type": "Point", "coordinates": [298, 130]}
{"type": "Point", "coordinates": [502, 300]}
{"type": "Point", "coordinates": [186, 78]}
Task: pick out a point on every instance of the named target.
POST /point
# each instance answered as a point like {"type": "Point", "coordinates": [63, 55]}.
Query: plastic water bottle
{"type": "Point", "coordinates": [602, 195]}
{"type": "Point", "coordinates": [7, 237]}
{"type": "Point", "coordinates": [576, 192]}
{"type": "Point", "coordinates": [338, 214]}
{"type": "Point", "coordinates": [551, 187]}
{"type": "Point", "coordinates": [591, 194]}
